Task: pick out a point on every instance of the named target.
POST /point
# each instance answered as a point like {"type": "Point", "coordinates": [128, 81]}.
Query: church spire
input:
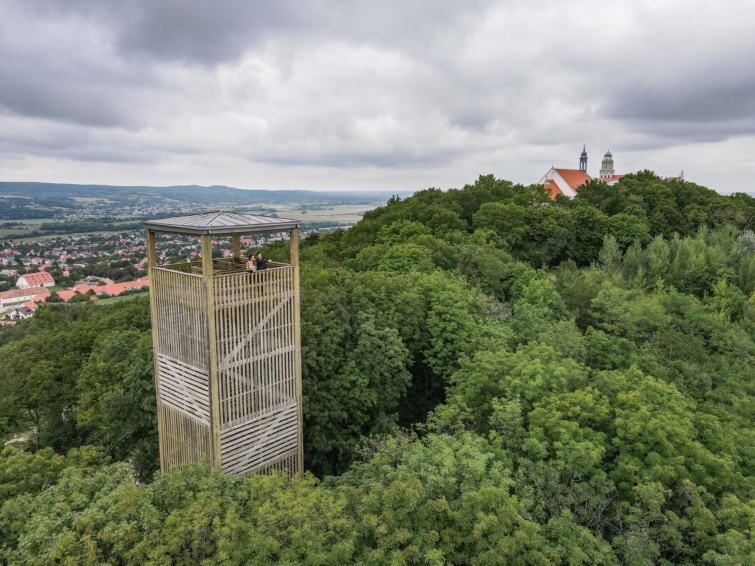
{"type": "Point", "coordinates": [583, 159]}
{"type": "Point", "coordinates": [606, 169]}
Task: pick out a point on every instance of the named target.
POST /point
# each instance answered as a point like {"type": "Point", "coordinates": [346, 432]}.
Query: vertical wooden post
{"type": "Point", "coordinates": [151, 263]}
{"type": "Point", "coordinates": [236, 245]}
{"type": "Point", "coordinates": [294, 253]}
{"type": "Point", "coordinates": [207, 275]}
{"type": "Point", "coordinates": [151, 250]}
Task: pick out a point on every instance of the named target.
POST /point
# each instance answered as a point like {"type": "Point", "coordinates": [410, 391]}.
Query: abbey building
{"type": "Point", "coordinates": [566, 181]}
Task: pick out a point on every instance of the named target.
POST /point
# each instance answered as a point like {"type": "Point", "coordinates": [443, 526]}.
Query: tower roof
{"type": "Point", "coordinates": [220, 224]}
{"type": "Point", "coordinates": [608, 154]}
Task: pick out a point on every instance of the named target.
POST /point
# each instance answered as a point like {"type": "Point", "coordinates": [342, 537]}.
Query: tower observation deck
{"type": "Point", "coordinates": [227, 349]}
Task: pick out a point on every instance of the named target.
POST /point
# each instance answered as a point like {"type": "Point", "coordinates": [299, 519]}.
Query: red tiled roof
{"type": "Point", "coordinates": [34, 279]}
{"type": "Point", "coordinates": [553, 188]}
{"type": "Point", "coordinates": [117, 288]}
{"type": "Point", "coordinates": [67, 294]}
{"type": "Point", "coordinates": [30, 305]}
{"type": "Point", "coordinates": [15, 293]}
{"type": "Point", "coordinates": [113, 290]}
{"type": "Point", "coordinates": [611, 179]}
{"type": "Point", "coordinates": [574, 177]}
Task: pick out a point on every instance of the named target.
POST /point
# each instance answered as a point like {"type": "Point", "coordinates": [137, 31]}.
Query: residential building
{"type": "Point", "coordinates": [22, 295]}
{"type": "Point", "coordinates": [39, 279]}
{"type": "Point", "coordinates": [20, 313]}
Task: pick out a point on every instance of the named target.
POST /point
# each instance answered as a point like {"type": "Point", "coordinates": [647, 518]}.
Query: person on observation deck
{"type": "Point", "coordinates": [251, 265]}
{"type": "Point", "coordinates": [261, 263]}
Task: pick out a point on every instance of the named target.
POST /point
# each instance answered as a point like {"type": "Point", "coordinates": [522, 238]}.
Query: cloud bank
{"type": "Point", "coordinates": [364, 95]}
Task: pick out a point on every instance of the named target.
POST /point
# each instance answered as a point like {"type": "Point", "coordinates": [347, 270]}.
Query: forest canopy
{"type": "Point", "coordinates": [489, 377]}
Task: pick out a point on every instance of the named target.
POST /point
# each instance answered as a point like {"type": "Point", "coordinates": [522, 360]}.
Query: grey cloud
{"type": "Point", "coordinates": [206, 32]}
{"type": "Point", "coordinates": [64, 70]}
{"type": "Point", "coordinates": [348, 160]}
{"type": "Point", "coordinates": [707, 103]}
{"type": "Point", "coordinates": [474, 121]}
{"type": "Point", "coordinates": [71, 101]}
{"type": "Point", "coordinates": [73, 143]}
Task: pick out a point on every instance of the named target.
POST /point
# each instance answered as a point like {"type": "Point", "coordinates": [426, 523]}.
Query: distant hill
{"type": "Point", "coordinates": [59, 192]}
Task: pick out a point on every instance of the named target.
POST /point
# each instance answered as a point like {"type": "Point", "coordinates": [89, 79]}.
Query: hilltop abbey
{"type": "Point", "coordinates": [565, 181]}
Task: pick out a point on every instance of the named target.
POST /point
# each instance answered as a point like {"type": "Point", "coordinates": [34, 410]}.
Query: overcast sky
{"type": "Point", "coordinates": [379, 95]}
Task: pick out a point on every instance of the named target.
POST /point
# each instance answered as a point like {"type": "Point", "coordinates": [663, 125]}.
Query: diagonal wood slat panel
{"type": "Point", "coordinates": [254, 444]}
{"type": "Point", "coordinates": [255, 326]}
{"type": "Point", "coordinates": [184, 388]}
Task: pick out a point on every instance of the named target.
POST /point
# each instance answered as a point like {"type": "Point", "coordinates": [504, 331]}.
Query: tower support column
{"type": "Point", "coordinates": [294, 260]}
{"type": "Point", "coordinates": [152, 263]}
{"type": "Point", "coordinates": [236, 245]}
{"type": "Point", "coordinates": [207, 275]}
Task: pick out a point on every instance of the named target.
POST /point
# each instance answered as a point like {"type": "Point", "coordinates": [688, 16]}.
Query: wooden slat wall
{"type": "Point", "coordinates": [258, 371]}
{"type": "Point", "coordinates": [184, 439]}
{"type": "Point", "coordinates": [181, 317]}
{"type": "Point", "coordinates": [182, 366]}
{"type": "Point", "coordinates": [257, 363]}
{"type": "Point", "coordinates": [253, 445]}
{"type": "Point", "coordinates": [287, 463]}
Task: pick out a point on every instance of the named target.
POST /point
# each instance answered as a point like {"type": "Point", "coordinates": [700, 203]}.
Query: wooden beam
{"type": "Point", "coordinates": [151, 250]}
{"type": "Point", "coordinates": [209, 282]}
{"type": "Point", "coordinates": [294, 255]}
{"type": "Point", "coordinates": [153, 292]}
{"type": "Point", "coordinates": [236, 244]}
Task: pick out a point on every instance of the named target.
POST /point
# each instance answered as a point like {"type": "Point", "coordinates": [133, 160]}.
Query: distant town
{"type": "Point", "coordinates": [75, 243]}
{"type": "Point", "coordinates": [90, 267]}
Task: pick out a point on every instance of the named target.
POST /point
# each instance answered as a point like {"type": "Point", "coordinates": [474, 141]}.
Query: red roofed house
{"type": "Point", "coordinates": [567, 181]}
{"type": "Point", "coordinates": [67, 294]}
{"type": "Point", "coordinates": [117, 288]}
{"type": "Point", "coordinates": [112, 290]}
{"type": "Point", "coordinates": [82, 288]}
{"type": "Point", "coordinates": [141, 283]}
{"type": "Point", "coordinates": [22, 295]}
{"type": "Point", "coordinates": [40, 279]}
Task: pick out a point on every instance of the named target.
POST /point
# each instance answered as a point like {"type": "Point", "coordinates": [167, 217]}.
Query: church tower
{"type": "Point", "coordinates": [606, 168]}
{"type": "Point", "coordinates": [583, 160]}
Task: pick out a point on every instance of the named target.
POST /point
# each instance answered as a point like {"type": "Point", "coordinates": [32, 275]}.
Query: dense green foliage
{"type": "Point", "coordinates": [489, 378]}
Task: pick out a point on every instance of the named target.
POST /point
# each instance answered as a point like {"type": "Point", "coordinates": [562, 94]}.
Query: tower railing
{"type": "Point", "coordinates": [256, 356]}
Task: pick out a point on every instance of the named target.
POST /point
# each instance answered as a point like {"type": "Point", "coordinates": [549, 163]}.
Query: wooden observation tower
{"type": "Point", "coordinates": [227, 347]}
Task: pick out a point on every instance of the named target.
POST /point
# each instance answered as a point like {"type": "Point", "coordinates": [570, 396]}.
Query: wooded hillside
{"type": "Point", "coordinates": [489, 377]}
